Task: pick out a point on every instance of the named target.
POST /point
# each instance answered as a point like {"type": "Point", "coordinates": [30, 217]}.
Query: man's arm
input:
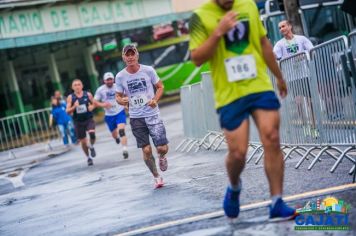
{"type": "Point", "coordinates": [204, 52]}
{"type": "Point", "coordinates": [91, 106]}
{"type": "Point", "coordinates": [271, 62]}
{"type": "Point", "coordinates": [307, 44]}
{"type": "Point", "coordinates": [159, 92]}
{"type": "Point", "coordinates": [70, 109]}
{"type": "Point", "coordinates": [277, 50]}
{"type": "Point", "coordinates": [121, 99]}
{"type": "Point", "coordinates": [97, 103]}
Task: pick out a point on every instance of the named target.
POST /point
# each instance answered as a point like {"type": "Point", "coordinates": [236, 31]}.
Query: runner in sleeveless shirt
{"type": "Point", "coordinates": [115, 117]}
{"type": "Point", "coordinates": [81, 104]}
{"type": "Point", "coordinates": [230, 36]}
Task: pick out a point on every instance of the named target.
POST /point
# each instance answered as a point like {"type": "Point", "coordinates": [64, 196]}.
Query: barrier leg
{"type": "Point", "coordinates": [253, 153]}
{"type": "Point", "coordinates": [306, 156]}
{"type": "Point", "coordinates": [317, 157]}
{"type": "Point", "coordinates": [289, 153]}
{"type": "Point", "coordinates": [187, 144]}
{"type": "Point", "coordinates": [212, 142]}
{"type": "Point", "coordinates": [220, 143]}
{"type": "Point", "coordinates": [202, 142]}
{"type": "Point", "coordinates": [343, 154]}
{"type": "Point", "coordinates": [259, 158]}
{"type": "Point", "coordinates": [192, 145]}
{"type": "Point", "coordinates": [181, 144]}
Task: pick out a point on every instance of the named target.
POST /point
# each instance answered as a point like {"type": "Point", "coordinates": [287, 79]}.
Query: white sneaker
{"type": "Point", "coordinates": [159, 182]}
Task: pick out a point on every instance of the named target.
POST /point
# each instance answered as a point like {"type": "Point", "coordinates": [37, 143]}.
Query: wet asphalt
{"type": "Point", "coordinates": [63, 196]}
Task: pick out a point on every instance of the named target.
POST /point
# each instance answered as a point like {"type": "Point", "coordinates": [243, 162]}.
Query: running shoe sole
{"type": "Point", "coordinates": [280, 219]}
{"type": "Point", "coordinates": [159, 185]}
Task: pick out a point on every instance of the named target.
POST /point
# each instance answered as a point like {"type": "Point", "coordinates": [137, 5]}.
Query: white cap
{"type": "Point", "coordinates": [108, 75]}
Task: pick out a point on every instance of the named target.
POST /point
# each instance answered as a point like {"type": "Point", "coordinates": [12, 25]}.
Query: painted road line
{"type": "Point", "coordinates": [243, 208]}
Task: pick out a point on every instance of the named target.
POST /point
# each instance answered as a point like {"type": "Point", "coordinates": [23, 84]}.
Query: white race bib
{"type": "Point", "coordinates": [81, 109]}
{"type": "Point", "coordinates": [138, 101]}
{"type": "Point", "coordinates": [241, 68]}
{"type": "Point", "coordinates": [114, 107]}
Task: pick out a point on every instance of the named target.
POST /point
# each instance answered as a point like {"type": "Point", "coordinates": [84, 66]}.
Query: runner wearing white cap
{"type": "Point", "coordinates": [115, 116]}
{"type": "Point", "coordinates": [138, 81]}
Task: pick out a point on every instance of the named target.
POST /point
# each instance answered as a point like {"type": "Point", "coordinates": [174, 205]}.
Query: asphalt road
{"type": "Point", "coordinates": [63, 196]}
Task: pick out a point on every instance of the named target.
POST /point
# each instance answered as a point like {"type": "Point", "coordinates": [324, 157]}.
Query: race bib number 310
{"type": "Point", "coordinates": [241, 68]}
{"type": "Point", "coordinates": [138, 101]}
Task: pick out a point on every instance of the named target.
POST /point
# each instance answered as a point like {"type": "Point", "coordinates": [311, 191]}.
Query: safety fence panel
{"type": "Point", "coordinates": [26, 129]}
{"type": "Point", "coordinates": [352, 40]}
{"type": "Point", "coordinates": [211, 117]}
{"type": "Point", "coordinates": [297, 114]}
{"type": "Point", "coordinates": [318, 116]}
{"type": "Point", "coordinates": [333, 93]}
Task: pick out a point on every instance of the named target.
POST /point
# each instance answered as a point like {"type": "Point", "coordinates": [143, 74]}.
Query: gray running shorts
{"type": "Point", "coordinates": [152, 126]}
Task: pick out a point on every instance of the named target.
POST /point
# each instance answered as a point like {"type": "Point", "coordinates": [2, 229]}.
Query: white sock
{"type": "Point", "coordinates": [275, 198]}
{"type": "Point", "coordinates": [236, 187]}
{"type": "Point", "coordinates": [124, 147]}
{"type": "Point", "coordinates": [91, 145]}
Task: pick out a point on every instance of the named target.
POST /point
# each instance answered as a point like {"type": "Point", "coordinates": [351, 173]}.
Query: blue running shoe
{"type": "Point", "coordinates": [232, 203]}
{"type": "Point", "coordinates": [281, 211]}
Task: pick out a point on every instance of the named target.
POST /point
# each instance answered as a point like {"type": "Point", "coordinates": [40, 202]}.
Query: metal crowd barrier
{"type": "Point", "coordinates": [201, 126]}
{"type": "Point", "coordinates": [26, 129]}
{"type": "Point", "coordinates": [352, 40]}
{"type": "Point", "coordinates": [318, 117]}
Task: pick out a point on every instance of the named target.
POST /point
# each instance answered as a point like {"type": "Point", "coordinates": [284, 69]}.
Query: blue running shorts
{"type": "Point", "coordinates": [232, 115]}
{"type": "Point", "coordinates": [113, 121]}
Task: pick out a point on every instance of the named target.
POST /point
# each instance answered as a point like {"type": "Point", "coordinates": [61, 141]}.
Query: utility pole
{"type": "Point", "coordinates": [291, 10]}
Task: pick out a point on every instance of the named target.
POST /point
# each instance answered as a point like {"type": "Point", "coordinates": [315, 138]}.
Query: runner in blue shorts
{"type": "Point", "coordinates": [115, 116]}
{"type": "Point", "coordinates": [229, 35]}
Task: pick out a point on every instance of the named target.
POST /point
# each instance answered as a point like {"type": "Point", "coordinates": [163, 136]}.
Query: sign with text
{"type": "Point", "coordinates": [67, 17]}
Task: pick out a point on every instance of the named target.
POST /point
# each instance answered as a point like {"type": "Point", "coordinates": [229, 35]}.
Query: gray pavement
{"type": "Point", "coordinates": [63, 196]}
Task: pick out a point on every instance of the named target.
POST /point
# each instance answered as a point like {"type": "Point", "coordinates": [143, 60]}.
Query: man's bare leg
{"type": "Point", "coordinates": [123, 138]}
{"type": "Point", "coordinates": [149, 160]}
{"type": "Point", "coordinates": [162, 151]}
{"type": "Point", "coordinates": [237, 142]}
{"type": "Point", "coordinates": [267, 122]}
{"type": "Point", "coordinates": [84, 145]}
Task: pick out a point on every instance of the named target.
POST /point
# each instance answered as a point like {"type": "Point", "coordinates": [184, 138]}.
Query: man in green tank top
{"type": "Point", "coordinates": [229, 36]}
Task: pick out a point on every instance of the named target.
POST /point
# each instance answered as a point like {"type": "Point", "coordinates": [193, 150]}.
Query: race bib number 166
{"type": "Point", "coordinates": [241, 68]}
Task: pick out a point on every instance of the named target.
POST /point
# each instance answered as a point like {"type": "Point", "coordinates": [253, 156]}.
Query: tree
{"type": "Point", "coordinates": [291, 10]}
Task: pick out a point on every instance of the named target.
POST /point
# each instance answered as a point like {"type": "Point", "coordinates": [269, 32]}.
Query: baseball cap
{"type": "Point", "coordinates": [108, 75]}
{"type": "Point", "coordinates": [129, 47]}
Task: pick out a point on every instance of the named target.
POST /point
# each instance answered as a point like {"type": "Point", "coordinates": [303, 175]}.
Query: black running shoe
{"type": "Point", "coordinates": [125, 154]}
{"type": "Point", "coordinates": [117, 140]}
{"type": "Point", "coordinates": [92, 152]}
{"type": "Point", "coordinates": [90, 162]}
